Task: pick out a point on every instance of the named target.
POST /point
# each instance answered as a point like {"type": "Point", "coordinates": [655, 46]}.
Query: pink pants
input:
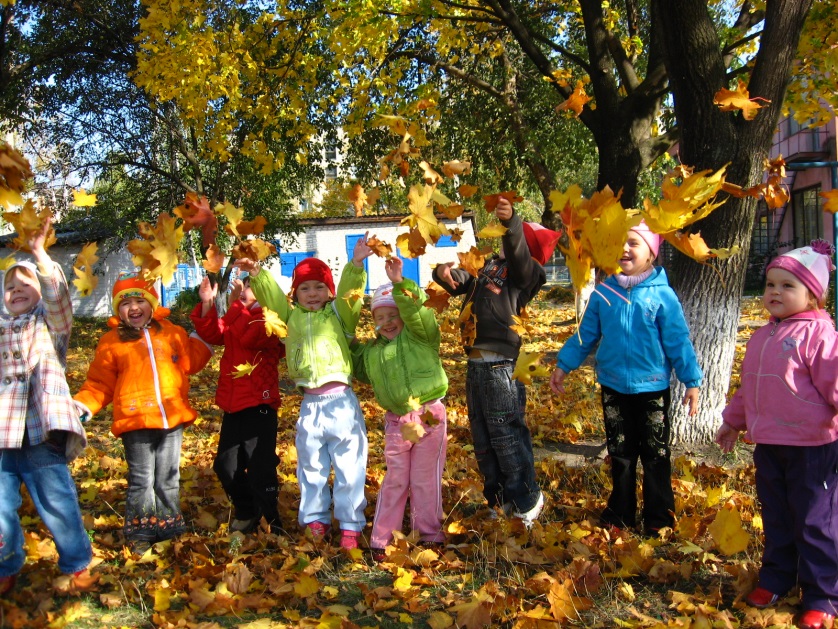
{"type": "Point", "coordinates": [415, 470]}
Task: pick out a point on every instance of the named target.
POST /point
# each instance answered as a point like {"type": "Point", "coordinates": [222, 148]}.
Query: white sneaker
{"type": "Point", "coordinates": [532, 515]}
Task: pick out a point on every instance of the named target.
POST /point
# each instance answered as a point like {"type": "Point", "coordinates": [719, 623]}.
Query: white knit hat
{"type": "Point", "coordinates": [383, 297]}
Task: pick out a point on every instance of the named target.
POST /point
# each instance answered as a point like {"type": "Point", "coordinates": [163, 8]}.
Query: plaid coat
{"type": "Point", "coordinates": [33, 359]}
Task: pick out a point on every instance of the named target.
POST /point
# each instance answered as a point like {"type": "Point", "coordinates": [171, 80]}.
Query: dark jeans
{"type": "Point", "coordinates": [152, 503]}
{"type": "Point", "coordinates": [246, 462]}
{"type": "Point", "coordinates": [637, 426]}
{"type": "Point", "coordinates": [797, 487]}
{"type": "Point", "coordinates": [502, 442]}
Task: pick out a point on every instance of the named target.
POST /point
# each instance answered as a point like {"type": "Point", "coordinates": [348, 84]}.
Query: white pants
{"type": "Point", "coordinates": [331, 434]}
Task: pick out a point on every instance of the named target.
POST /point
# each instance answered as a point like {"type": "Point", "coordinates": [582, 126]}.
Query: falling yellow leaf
{"type": "Point", "coordinates": [86, 281]}
{"type": "Point", "coordinates": [9, 260]}
{"type": "Point", "coordinates": [739, 100]}
{"type": "Point", "coordinates": [245, 369]}
{"type": "Point", "coordinates": [831, 204]}
{"type": "Point", "coordinates": [528, 366]}
{"type": "Point", "coordinates": [473, 260]}
{"type": "Point", "coordinates": [422, 214]}
{"type": "Point", "coordinates": [492, 230]}
{"type": "Point", "coordinates": [28, 221]}
{"type": "Point", "coordinates": [412, 431]}
{"type": "Point", "coordinates": [414, 403]}
{"type": "Point", "coordinates": [213, 259]}
{"type": "Point", "coordinates": [467, 190]}
{"type": "Point", "coordinates": [82, 199]}
{"type": "Point", "coordinates": [274, 325]}
{"type": "Point", "coordinates": [232, 213]}
{"type": "Point", "coordinates": [577, 101]}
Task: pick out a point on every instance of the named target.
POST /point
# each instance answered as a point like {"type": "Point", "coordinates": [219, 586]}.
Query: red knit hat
{"type": "Point", "coordinates": [540, 241]}
{"type": "Point", "coordinates": [312, 269]}
{"type": "Point", "coordinates": [131, 284]}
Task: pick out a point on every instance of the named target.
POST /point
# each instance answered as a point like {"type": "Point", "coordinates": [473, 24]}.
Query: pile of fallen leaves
{"type": "Point", "coordinates": [490, 572]}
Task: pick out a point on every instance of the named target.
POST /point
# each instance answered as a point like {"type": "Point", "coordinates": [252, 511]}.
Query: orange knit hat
{"type": "Point", "coordinates": [131, 284]}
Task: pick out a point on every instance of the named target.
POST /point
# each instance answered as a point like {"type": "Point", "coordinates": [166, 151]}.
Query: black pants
{"type": "Point", "coordinates": [637, 426]}
{"type": "Point", "coordinates": [246, 462]}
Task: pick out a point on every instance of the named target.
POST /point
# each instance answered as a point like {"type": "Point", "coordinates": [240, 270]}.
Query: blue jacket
{"type": "Point", "coordinates": [644, 336]}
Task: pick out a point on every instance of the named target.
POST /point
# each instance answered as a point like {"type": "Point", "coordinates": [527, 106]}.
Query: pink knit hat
{"type": "Point", "coordinates": [649, 237]}
{"type": "Point", "coordinates": [811, 265]}
{"type": "Point", "coordinates": [383, 297]}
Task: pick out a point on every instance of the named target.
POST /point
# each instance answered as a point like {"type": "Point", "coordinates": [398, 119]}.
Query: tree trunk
{"type": "Point", "coordinates": [711, 139]}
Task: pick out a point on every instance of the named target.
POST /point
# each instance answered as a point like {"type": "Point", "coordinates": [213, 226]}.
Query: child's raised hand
{"type": "Point", "coordinates": [362, 251]}
{"type": "Point", "coordinates": [38, 238]}
{"type": "Point", "coordinates": [504, 209]}
{"type": "Point", "coordinates": [726, 437]}
{"type": "Point", "coordinates": [691, 398]}
{"type": "Point", "coordinates": [393, 267]}
{"type": "Point", "coordinates": [251, 267]}
{"type": "Point", "coordinates": [557, 381]}
{"type": "Point", "coordinates": [445, 274]}
{"type": "Point", "coordinates": [236, 291]}
{"type": "Point", "coordinates": [207, 291]}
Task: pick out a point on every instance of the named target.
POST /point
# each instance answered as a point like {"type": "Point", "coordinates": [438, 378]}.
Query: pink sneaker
{"type": "Point", "coordinates": [349, 539]}
{"type": "Point", "coordinates": [761, 598]}
{"type": "Point", "coordinates": [319, 530]}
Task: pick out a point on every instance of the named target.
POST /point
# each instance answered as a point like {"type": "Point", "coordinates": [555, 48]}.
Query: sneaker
{"type": "Point", "coordinates": [815, 619]}
{"type": "Point", "coordinates": [6, 584]}
{"type": "Point", "coordinates": [531, 516]}
{"type": "Point", "coordinates": [761, 598]}
{"type": "Point", "coordinates": [349, 539]}
{"type": "Point", "coordinates": [378, 554]}
{"type": "Point", "coordinates": [140, 547]}
{"type": "Point", "coordinates": [319, 530]}
{"type": "Point", "coordinates": [244, 526]}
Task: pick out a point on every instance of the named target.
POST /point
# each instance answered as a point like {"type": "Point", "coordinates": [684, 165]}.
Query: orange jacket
{"type": "Point", "coordinates": [149, 389]}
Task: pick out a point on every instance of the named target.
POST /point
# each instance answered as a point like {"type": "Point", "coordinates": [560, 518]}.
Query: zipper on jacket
{"type": "Point", "coordinates": [774, 329]}
{"type": "Point", "coordinates": [157, 393]}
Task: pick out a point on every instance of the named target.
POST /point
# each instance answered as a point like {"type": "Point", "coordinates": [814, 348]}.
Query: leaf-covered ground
{"type": "Point", "coordinates": [566, 570]}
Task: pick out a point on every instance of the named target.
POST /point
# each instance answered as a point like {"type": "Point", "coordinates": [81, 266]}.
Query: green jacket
{"type": "Point", "coordinates": [409, 365]}
{"type": "Point", "coordinates": [317, 345]}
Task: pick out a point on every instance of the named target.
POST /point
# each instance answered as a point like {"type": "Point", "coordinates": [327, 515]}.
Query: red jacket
{"type": "Point", "coordinates": [242, 333]}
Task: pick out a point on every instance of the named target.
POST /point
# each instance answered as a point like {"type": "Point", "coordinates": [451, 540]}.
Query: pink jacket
{"type": "Point", "coordinates": [789, 390]}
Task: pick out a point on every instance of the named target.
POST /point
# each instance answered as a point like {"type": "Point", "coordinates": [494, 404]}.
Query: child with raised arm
{"type": "Point", "coordinates": [637, 322]}
{"type": "Point", "coordinates": [404, 368]}
{"type": "Point", "coordinates": [331, 434]}
{"type": "Point", "coordinates": [143, 365]}
{"type": "Point", "coordinates": [497, 403]}
{"type": "Point", "coordinates": [40, 424]}
{"type": "Point", "coordinates": [246, 459]}
{"type": "Point", "coordinates": [788, 404]}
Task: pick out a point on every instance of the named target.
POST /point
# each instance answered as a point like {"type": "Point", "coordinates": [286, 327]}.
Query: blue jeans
{"type": "Point", "coordinates": [502, 441]}
{"type": "Point", "coordinates": [152, 503]}
{"type": "Point", "coordinates": [43, 469]}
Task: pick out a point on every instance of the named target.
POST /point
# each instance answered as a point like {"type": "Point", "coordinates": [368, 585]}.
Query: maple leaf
{"type": "Point", "coordinates": [245, 369]}
{"type": "Point", "coordinates": [452, 210]}
{"type": "Point", "coordinates": [82, 199]}
{"type": "Point", "coordinates": [156, 254]}
{"type": "Point", "coordinates": [492, 230]}
{"type": "Point", "coordinates": [28, 221]}
{"type": "Point", "coordinates": [455, 168]}
{"type": "Point", "coordinates": [411, 244]}
{"type": "Point", "coordinates": [412, 431]}
{"type": "Point", "coordinates": [358, 198]}
{"type": "Point", "coordinates": [86, 281]}
{"type": "Point", "coordinates": [691, 245]}
{"type": "Point", "coordinates": [214, 259]}
{"type": "Point", "coordinates": [373, 196]}
{"type": "Point", "coordinates": [528, 366]}
{"type": "Point", "coordinates": [467, 190]}
{"type": "Point", "coordinates": [738, 100]}
{"type": "Point", "coordinates": [490, 201]}
{"type": "Point", "coordinates": [473, 260]}
{"type": "Point", "coordinates": [519, 325]}
{"type": "Point", "coordinates": [379, 248]}
{"type": "Point", "coordinates": [422, 214]}
{"type": "Point", "coordinates": [683, 203]}
{"type": "Point", "coordinates": [254, 249]}
{"type": "Point", "coordinates": [726, 530]}
{"type": "Point", "coordinates": [430, 176]}
{"type": "Point", "coordinates": [233, 215]}
{"type": "Point", "coordinates": [831, 204]}
{"type": "Point", "coordinates": [724, 254]}
{"type": "Point", "coordinates": [352, 296]}
{"type": "Point", "coordinates": [576, 102]}
{"type": "Point", "coordinates": [14, 171]}
{"type": "Point", "coordinates": [8, 261]}
{"type": "Point", "coordinates": [563, 604]}
{"type": "Point", "coordinates": [476, 612]}
{"type": "Point", "coordinates": [274, 325]}
{"type": "Point", "coordinates": [456, 234]}
{"type": "Point", "coordinates": [437, 297]}
{"type": "Point", "coordinates": [196, 214]}
{"type": "Point", "coordinates": [252, 228]}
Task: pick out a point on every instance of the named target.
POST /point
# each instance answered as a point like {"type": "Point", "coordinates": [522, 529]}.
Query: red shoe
{"type": "Point", "coordinates": [378, 554]}
{"type": "Point", "coordinates": [349, 539]}
{"type": "Point", "coordinates": [6, 584]}
{"type": "Point", "coordinates": [815, 619]}
{"type": "Point", "coordinates": [319, 530]}
{"type": "Point", "coordinates": [761, 598]}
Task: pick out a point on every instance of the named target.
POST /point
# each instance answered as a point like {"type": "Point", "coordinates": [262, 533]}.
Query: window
{"type": "Point", "coordinates": [808, 215]}
{"type": "Point", "coordinates": [331, 155]}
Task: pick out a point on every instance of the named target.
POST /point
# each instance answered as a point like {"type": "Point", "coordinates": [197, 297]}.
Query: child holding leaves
{"type": "Point", "coordinates": [40, 424]}
{"type": "Point", "coordinates": [788, 404]}
{"type": "Point", "coordinates": [331, 434]}
{"type": "Point", "coordinates": [636, 320]}
{"type": "Point", "coordinates": [143, 365]}
{"type": "Point", "coordinates": [246, 460]}
{"type": "Point", "coordinates": [496, 402]}
{"type": "Point", "coordinates": [405, 371]}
